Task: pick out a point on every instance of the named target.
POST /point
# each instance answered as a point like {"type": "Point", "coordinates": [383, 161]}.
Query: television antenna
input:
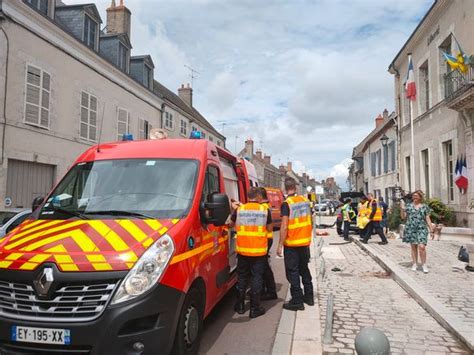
{"type": "Point", "coordinates": [192, 74]}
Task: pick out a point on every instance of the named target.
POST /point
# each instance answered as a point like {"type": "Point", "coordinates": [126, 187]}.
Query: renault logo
{"type": "Point", "coordinates": [44, 281]}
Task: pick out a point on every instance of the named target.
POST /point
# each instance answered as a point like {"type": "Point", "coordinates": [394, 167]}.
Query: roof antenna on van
{"type": "Point", "coordinates": [100, 129]}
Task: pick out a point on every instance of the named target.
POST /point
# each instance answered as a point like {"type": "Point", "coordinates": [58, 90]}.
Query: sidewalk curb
{"type": "Point", "coordinates": [436, 309]}
{"type": "Point", "coordinates": [292, 334]}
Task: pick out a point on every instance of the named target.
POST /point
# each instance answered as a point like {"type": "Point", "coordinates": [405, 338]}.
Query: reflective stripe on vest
{"type": "Point", "coordinates": [269, 233]}
{"type": "Point", "coordinates": [251, 226]}
{"type": "Point", "coordinates": [300, 226]}
{"type": "Point", "coordinates": [378, 216]}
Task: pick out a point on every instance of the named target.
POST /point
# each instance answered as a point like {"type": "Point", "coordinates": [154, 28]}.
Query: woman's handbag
{"type": "Point", "coordinates": [463, 255]}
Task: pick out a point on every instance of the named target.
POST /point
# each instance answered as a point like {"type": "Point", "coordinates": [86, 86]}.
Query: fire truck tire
{"type": "Point", "coordinates": [189, 331]}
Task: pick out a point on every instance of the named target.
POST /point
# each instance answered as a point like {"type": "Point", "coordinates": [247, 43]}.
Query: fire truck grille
{"type": "Point", "coordinates": [70, 302]}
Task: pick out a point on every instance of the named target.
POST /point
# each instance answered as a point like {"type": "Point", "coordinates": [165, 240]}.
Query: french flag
{"type": "Point", "coordinates": [410, 86]}
{"type": "Point", "coordinates": [461, 180]}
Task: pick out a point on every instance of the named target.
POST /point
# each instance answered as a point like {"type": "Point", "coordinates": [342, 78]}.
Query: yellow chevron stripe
{"type": "Point", "coordinates": [175, 221]}
{"type": "Point", "coordinates": [39, 258]}
{"type": "Point", "coordinates": [34, 229]}
{"type": "Point", "coordinates": [49, 232]}
{"type": "Point", "coordinates": [96, 258]}
{"type": "Point", "coordinates": [69, 267]}
{"type": "Point", "coordinates": [132, 228]}
{"type": "Point", "coordinates": [14, 256]}
{"type": "Point", "coordinates": [154, 224]}
{"type": "Point", "coordinates": [147, 242]}
{"type": "Point", "coordinates": [78, 236]}
{"type": "Point", "coordinates": [129, 257]}
{"type": "Point", "coordinates": [61, 254]}
{"type": "Point", "coordinates": [28, 266]}
{"type": "Point", "coordinates": [102, 266]}
{"type": "Point", "coordinates": [163, 230]}
{"type": "Point", "coordinates": [113, 238]}
{"type": "Point", "coordinates": [5, 264]}
{"type": "Point", "coordinates": [84, 242]}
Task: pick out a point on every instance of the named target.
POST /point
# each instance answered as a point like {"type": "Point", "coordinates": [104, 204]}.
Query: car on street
{"type": "Point", "coordinates": [322, 208]}
{"type": "Point", "coordinates": [12, 218]}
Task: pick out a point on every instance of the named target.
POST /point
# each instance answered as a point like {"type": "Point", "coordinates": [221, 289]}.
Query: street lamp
{"type": "Point", "coordinates": [384, 140]}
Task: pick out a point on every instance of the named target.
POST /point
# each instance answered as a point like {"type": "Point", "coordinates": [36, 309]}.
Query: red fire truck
{"type": "Point", "coordinates": [127, 255]}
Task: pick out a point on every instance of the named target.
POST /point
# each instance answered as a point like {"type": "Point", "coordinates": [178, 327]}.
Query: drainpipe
{"type": "Point", "coordinates": [161, 115]}
{"type": "Point", "coordinates": [4, 128]}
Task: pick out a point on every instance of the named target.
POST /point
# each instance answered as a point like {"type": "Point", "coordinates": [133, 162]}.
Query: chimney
{"type": "Point", "coordinates": [119, 19]}
{"type": "Point", "coordinates": [268, 159]}
{"type": "Point", "coordinates": [289, 166]}
{"type": "Point", "coordinates": [385, 114]}
{"type": "Point", "coordinates": [249, 148]}
{"type": "Point", "coordinates": [378, 121]}
{"type": "Point", "coordinates": [186, 94]}
{"type": "Point", "coordinates": [282, 168]}
{"type": "Point", "coordinates": [258, 153]}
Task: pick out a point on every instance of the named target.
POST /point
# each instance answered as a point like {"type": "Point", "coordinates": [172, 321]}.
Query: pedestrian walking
{"type": "Point", "coordinates": [362, 216]}
{"type": "Point", "coordinates": [384, 207]}
{"type": "Point", "coordinates": [347, 215]}
{"type": "Point", "coordinates": [418, 225]}
{"type": "Point", "coordinates": [375, 217]}
{"type": "Point", "coordinates": [295, 238]}
{"type": "Point", "coordinates": [252, 220]}
{"type": "Point", "coordinates": [269, 285]}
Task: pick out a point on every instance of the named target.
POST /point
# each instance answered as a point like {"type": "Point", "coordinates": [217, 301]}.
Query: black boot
{"type": "Point", "coordinates": [309, 299]}
{"type": "Point", "coordinates": [255, 309]}
{"type": "Point", "coordinates": [294, 306]}
{"type": "Point", "coordinates": [240, 304]}
{"type": "Point", "coordinates": [269, 296]}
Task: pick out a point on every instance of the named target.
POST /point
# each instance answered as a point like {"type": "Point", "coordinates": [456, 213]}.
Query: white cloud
{"type": "Point", "coordinates": [223, 91]}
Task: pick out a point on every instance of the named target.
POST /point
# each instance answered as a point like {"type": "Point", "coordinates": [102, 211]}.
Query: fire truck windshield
{"type": "Point", "coordinates": [126, 188]}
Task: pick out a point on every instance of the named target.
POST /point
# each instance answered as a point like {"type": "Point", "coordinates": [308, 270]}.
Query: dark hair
{"type": "Point", "coordinates": [290, 184]}
{"type": "Point", "coordinates": [253, 193]}
{"type": "Point", "coordinates": [364, 197]}
{"type": "Point", "coordinates": [347, 200]}
{"type": "Point", "coordinates": [381, 199]}
{"type": "Point", "coordinates": [263, 193]}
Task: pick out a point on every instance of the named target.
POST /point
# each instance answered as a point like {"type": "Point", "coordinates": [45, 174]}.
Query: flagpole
{"type": "Point", "coordinates": [412, 137]}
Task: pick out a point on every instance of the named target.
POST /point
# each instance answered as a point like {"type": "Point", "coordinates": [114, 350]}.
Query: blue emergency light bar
{"type": "Point", "coordinates": [127, 137]}
{"type": "Point", "coordinates": [195, 135]}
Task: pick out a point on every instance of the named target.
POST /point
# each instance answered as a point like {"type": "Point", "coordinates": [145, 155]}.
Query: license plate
{"type": "Point", "coordinates": [41, 335]}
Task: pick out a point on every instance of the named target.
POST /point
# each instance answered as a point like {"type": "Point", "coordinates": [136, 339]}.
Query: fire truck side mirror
{"type": "Point", "coordinates": [216, 209]}
{"type": "Point", "coordinates": [36, 203]}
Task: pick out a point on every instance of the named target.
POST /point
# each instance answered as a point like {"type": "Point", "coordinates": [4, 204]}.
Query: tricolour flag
{"type": "Point", "coordinates": [457, 172]}
{"type": "Point", "coordinates": [461, 179]}
{"type": "Point", "coordinates": [410, 86]}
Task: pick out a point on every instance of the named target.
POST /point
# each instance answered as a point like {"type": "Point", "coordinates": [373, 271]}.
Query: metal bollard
{"type": "Point", "coordinates": [327, 338]}
{"type": "Point", "coordinates": [372, 341]}
{"type": "Point", "coordinates": [322, 270]}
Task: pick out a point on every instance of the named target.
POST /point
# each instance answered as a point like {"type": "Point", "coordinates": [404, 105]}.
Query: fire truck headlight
{"type": "Point", "coordinates": [147, 271]}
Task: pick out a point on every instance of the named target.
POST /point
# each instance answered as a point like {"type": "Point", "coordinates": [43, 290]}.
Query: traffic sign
{"type": "Point", "coordinates": [319, 190]}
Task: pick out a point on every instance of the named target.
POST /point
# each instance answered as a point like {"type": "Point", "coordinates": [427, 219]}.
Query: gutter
{"type": "Point", "coordinates": [4, 128]}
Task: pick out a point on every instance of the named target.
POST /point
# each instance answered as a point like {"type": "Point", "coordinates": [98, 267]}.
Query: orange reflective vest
{"type": "Point", "coordinates": [251, 227]}
{"type": "Point", "coordinates": [300, 226]}
{"type": "Point", "coordinates": [269, 233]}
{"type": "Point", "coordinates": [378, 216]}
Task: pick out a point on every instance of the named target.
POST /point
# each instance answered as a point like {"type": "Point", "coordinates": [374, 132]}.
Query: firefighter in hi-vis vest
{"type": "Point", "coordinates": [295, 236]}
{"type": "Point", "coordinates": [375, 217]}
{"type": "Point", "coordinates": [269, 287]}
{"type": "Point", "coordinates": [252, 221]}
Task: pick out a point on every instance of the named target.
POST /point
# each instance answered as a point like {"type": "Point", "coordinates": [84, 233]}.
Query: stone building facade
{"type": "Point", "coordinates": [443, 113]}
{"type": "Point", "coordinates": [65, 85]}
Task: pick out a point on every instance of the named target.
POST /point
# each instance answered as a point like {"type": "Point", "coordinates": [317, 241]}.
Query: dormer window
{"type": "Point", "coordinates": [40, 5]}
{"type": "Point", "coordinates": [90, 32]}
{"type": "Point", "coordinates": [123, 57]}
{"type": "Point", "coordinates": [148, 76]}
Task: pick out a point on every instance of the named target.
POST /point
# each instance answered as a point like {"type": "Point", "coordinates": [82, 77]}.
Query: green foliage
{"type": "Point", "coordinates": [440, 213]}
{"type": "Point", "coordinates": [394, 217]}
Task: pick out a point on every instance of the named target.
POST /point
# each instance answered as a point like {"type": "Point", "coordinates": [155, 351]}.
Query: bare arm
{"type": "Point", "coordinates": [430, 225]}
{"type": "Point", "coordinates": [403, 211]}
{"type": "Point", "coordinates": [283, 234]}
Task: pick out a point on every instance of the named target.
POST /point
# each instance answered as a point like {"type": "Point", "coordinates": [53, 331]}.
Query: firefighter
{"type": "Point", "coordinates": [252, 220]}
{"type": "Point", "coordinates": [362, 216]}
{"type": "Point", "coordinates": [375, 217]}
{"type": "Point", "coordinates": [295, 239]}
{"type": "Point", "coordinates": [347, 215]}
{"type": "Point", "coordinates": [269, 286]}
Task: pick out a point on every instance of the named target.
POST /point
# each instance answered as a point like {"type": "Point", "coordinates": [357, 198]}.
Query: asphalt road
{"type": "Point", "coordinates": [226, 332]}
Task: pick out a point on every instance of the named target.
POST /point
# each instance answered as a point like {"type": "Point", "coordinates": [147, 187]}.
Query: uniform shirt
{"type": "Point", "coordinates": [269, 217]}
{"type": "Point", "coordinates": [285, 208]}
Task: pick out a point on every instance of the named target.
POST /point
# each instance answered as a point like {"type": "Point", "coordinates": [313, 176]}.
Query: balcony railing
{"type": "Point", "coordinates": [455, 83]}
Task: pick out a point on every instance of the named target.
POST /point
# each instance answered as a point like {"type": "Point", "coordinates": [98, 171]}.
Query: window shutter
{"type": "Point", "coordinates": [385, 159]}
{"type": "Point", "coordinates": [393, 155]}
{"type": "Point", "coordinates": [38, 86]}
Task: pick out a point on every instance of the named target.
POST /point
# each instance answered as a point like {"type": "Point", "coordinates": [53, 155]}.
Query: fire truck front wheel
{"type": "Point", "coordinates": [189, 331]}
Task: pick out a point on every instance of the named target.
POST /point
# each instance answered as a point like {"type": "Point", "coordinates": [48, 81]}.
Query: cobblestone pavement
{"type": "Point", "coordinates": [452, 286]}
{"type": "Point", "coordinates": [366, 296]}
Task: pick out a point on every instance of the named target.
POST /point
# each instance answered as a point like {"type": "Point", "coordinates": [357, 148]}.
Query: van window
{"type": "Point", "coordinates": [212, 184]}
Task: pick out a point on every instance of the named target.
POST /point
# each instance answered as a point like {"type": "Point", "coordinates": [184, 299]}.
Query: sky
{"type": "Point", "coordinates": [305, 79]}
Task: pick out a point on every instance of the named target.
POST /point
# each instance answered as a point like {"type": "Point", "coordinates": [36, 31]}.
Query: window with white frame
{"type": "Point", "coordinates": [88, 117]}
{"type": "Point", "coordinates": [123, 123]}
{"type": "Point", "coordinates": [37, 98]}
{"type": "Point", "coordinates": [183, 128]}
{"type": "Point", "coordinates": [148, 76]}
{"type": "Point", "coordinates": [169, 120]}
{"type": "Point", "coordinates": [90, 32]}
{"type": "Point", "coordinates": [144, 128]}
